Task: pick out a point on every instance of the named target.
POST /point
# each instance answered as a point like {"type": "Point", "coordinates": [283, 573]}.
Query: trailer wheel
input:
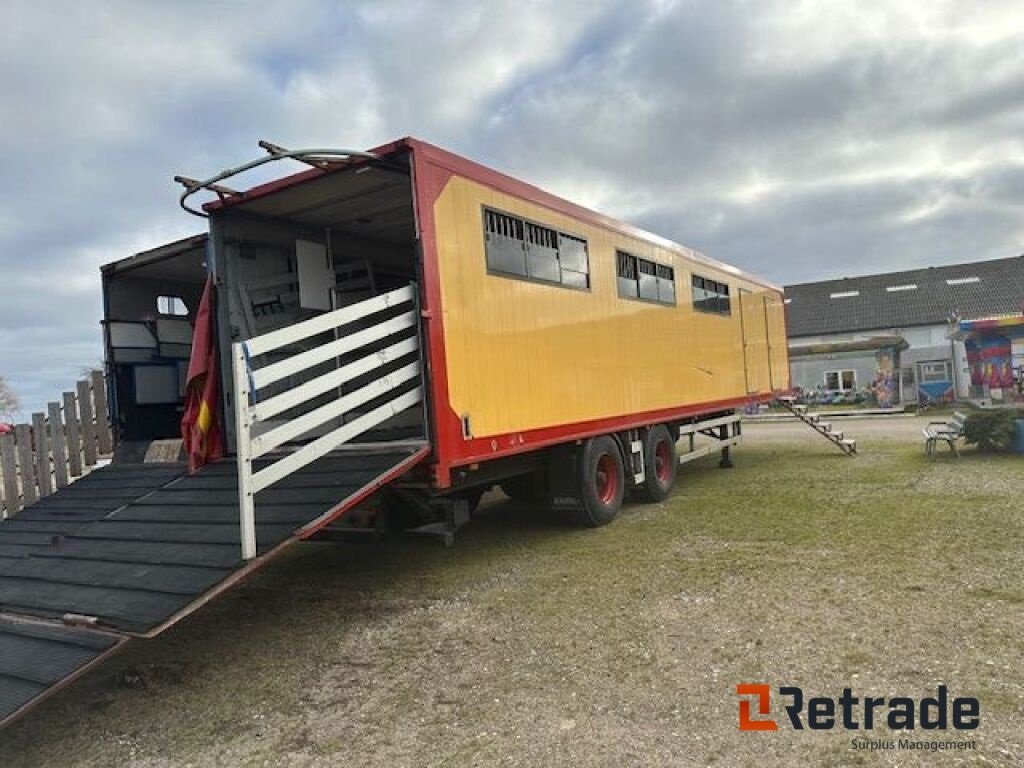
{"type": "Point", "coordinates": [660, 464]}
{"type": "Point", "coordinates": [602, 481]}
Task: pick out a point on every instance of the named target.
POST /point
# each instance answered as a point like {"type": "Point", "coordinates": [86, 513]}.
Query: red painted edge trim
{"type": "Point", "coordinates": [480, 450]}
{"type": "Point", "coordinates": [429, 181]}
{"type": "Point", "coordinates": [363, 493]}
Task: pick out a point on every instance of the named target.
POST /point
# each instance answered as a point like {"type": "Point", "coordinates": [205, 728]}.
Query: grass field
{"type": "Point", "coordinates": [533, 643]}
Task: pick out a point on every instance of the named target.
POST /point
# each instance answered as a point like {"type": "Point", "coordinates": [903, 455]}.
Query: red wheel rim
{"type": "Point", "coordinates": [663, 462]}
{"type": "Point", "coordinates": [607, 478]}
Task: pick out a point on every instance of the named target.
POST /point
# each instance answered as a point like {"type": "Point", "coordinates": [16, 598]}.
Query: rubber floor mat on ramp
{"type": "Point", "coordinates": [129, 550]}
{"type": "Point", "coordinates": [37, 660]}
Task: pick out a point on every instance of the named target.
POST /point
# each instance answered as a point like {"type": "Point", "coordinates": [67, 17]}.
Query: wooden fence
{"type": "Point", "coordinates": [63, 444]}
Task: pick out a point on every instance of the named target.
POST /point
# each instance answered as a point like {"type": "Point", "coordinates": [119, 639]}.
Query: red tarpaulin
{"type": "Point", "coordinates": [201, 424]}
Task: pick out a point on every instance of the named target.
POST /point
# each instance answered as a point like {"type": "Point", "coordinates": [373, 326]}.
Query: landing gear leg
{"type": "Point", "coordinates": [723, 434]}
{"type": "Point", "coordinates": [410, 511]}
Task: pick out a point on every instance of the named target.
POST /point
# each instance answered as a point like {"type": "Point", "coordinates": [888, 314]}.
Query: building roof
{"type": "Point", "coordinates": [903, 299]}
{"type": "Point", "coordinates": [860, 345]}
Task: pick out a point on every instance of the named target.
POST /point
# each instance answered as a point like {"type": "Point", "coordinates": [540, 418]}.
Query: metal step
{"type": "Point", "coordinates": [824, 428]}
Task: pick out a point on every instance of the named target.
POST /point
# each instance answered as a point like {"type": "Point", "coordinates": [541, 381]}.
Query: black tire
{"type": "Point", "coordinates": [661, 462]}
{"type": "Point", "coordinates": [602, 481]}
{"type": "Point", "coordinates": [527, 488]}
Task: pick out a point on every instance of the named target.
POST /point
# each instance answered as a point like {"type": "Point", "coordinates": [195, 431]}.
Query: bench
{"type": "Point", "coordinates": [948, 431]}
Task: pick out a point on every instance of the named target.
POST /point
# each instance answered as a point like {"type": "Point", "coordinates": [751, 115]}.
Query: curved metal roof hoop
{"type": "Point", "coordinates": [317, 158]}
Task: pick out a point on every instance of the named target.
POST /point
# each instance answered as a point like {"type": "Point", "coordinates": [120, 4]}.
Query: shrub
{"type": "Point", "coordinates": [993, 430]}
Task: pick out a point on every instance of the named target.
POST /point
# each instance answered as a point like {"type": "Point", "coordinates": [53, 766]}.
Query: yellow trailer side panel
{"type": "Point", "coordinates": [523, 355]}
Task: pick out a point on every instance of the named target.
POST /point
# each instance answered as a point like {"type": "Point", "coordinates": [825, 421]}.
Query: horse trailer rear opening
{"type": "Point", "coordinates": [407, 297]}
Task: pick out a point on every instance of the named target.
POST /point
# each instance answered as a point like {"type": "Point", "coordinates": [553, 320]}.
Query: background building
{"type": "Point", "coordinates": [905, 334]}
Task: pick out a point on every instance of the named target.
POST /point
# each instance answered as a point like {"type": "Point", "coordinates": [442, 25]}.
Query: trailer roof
{"type": "Point", "coordinates": [154, 255]}
{"type": "Point", "coordinates": [489, 177]}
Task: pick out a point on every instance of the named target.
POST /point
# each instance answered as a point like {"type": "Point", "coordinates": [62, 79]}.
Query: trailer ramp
{"type": "Point", "coordinates": [128, 551]}
{"type": "Point", "coordinates": [37, 660]}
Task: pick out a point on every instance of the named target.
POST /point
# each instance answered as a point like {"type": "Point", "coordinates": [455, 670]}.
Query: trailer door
{"type": "Point", "coordinates": [753, 321]}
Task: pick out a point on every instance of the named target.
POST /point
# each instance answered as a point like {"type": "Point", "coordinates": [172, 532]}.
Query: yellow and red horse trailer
{"type": "Point", "coordinates": [401, 326]}
{"type": "Point", "coordinates": [527, 341]}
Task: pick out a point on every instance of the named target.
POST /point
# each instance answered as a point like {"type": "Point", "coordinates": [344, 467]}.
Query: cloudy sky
{"type": "Point", "coordinates": [801, 140]}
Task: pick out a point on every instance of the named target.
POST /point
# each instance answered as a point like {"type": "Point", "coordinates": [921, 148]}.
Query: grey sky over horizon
{"type": "Point", "coordinates": [798, 140]}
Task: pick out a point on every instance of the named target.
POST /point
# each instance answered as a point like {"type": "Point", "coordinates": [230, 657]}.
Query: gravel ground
{"type": "Point", "coordinates": [533, 643]}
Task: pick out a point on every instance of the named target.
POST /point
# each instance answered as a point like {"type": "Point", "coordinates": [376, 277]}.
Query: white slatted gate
{"type": "Point", "coordinates": [250, 379]}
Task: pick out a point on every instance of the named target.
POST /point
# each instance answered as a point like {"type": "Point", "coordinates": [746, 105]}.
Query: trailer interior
{"type": "Point", "coordinates": [326, 243]}
{"type": "Point", "coordinates": [150, 301]}
{"type": "Point", "coordinates": [280, 259]}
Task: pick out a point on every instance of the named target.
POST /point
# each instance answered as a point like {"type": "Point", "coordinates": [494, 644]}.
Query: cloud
{"type": "Point", "coordinates": [801, 140]}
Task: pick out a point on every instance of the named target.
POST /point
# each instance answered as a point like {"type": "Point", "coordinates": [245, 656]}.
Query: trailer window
{"type": "Point", "coordinates": [710, 296]}
{"type": "Point", "coordinates": [648, 279]}
{"type": "Point", "coordinates": [171, 306]}
{"type": "Point", "coordinates": [574, 261]}
{"type": "Point", "coordinates": [643, 279]}
{"type": "Point", "coordinates": [666, 284]}
{"type": "Point", "coordinates": [542, 254]}
{"type": "Point", "coordinates": [518, 248]}
{"type": "Point", "coordinates": [627, 272]}
{"type": "Point", "coordinates": [505, 244]}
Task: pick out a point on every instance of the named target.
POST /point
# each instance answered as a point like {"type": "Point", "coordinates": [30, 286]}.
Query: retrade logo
{"type": "Point", "coordinates": [763, 693]}
{"type": "Point", "coordinates": [849, 712]}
